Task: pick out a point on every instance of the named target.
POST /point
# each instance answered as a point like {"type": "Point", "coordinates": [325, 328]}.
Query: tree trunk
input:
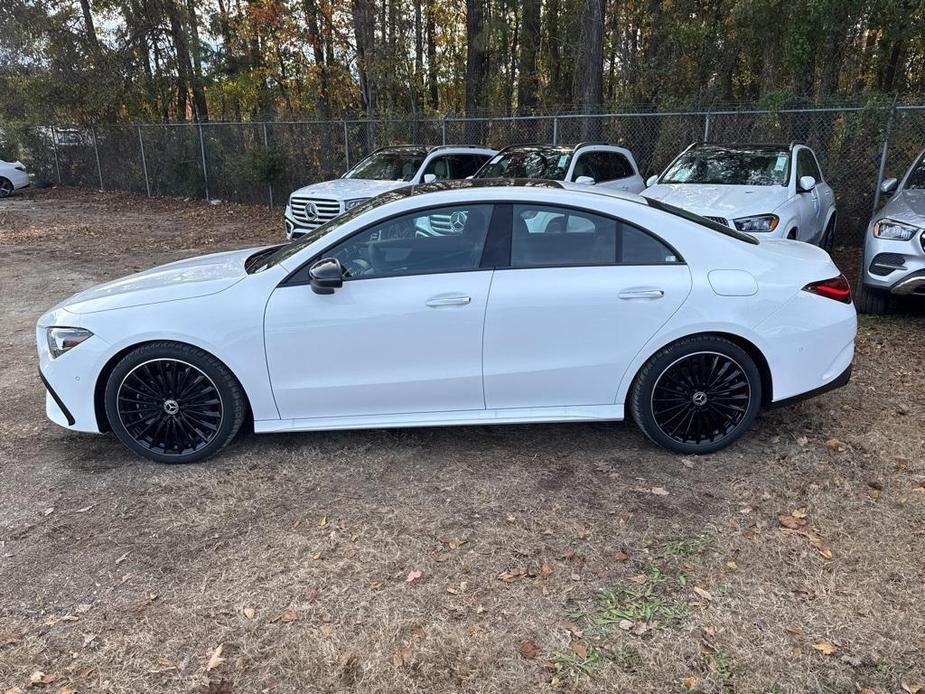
{"type": "Point", "coordinates": [199, 94]}
{"type": "Point", "coordinates": [476, 63]}
{"type": "Point", "coordinates": [432, 55]}
{"type": "Point", "coordinates": [555, 56]}
{"type": "Point", "coordinates": [89, 27]}
{"type": "Point", "coordinates": [592, 65]}
{"type": "Point", "coordinates": [178, 35]}
{"type": "Point", "coordinates": [364, 17]}
{"type": "Point", "coordinates": [527, 82]}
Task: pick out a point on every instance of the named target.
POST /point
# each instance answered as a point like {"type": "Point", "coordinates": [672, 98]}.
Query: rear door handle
{"type": "Point", "coordinates": [641, 293]}
{"type": "Point", "coordinates": [437, 301]}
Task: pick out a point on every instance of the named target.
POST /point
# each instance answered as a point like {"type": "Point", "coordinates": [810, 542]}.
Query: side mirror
{"type": "Point", "coordinates": [888, 187]}
{"type": "Point", "coordinates": [807, 183]}
{"type": "Point", "coordinates": [651, 181]}
{"type": "Point", "coordinates": [587, 180]}
{"type": "Point", "coordinates": [430, 178]}
{"type": "Point", "coordinates": [326, 275]}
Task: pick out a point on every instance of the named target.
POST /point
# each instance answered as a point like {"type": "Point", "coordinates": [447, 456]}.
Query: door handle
{"type": "Point", "coordinates": [437, 301]}
{"type": "Point", "coordinates": [641, 293]}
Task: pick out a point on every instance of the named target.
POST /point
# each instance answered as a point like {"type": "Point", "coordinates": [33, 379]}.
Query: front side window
{"type": "Point", "coordinates": [916, 177]}
{"type": "Point", "coordinates": [721, 166]}
{"type": "Point", "coordinates": [550, 163]}
{"type": "Point", "coordinates": [464, 165]}
{"type": "Point", "coordinates": [555, 236]}
{"type": "Point", "coordinates": [388, 166]}
{"type": "Point", "coordinates": [603, 166]}
{"type": "Point", "coordinates": [437, 240]}
{"type": "Point", "coordinates": [806, 166]}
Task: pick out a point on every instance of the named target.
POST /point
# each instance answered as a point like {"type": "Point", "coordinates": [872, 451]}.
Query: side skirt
{"type": "Point", "coordinates": [520, 415]}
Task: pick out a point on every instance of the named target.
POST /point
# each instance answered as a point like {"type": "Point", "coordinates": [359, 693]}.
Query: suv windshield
{"type": "Point", "coordinates": [759, 166]}
{"type": "Point", "coordinates": [550, 163]}
{"type": "Point", "coordinates": [916, 177]}
{"type": "Point", "coordinates": [388, 166]}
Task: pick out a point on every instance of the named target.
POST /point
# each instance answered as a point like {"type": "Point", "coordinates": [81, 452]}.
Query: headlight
{"type": "Point", "coordinates": [892, 230]}
{"type": "Point", "coordinates": [356, 202]}
{"type": "Point", "coordinates": [60, 340]}
{"type": "Point", "coordinates": [760, 222]}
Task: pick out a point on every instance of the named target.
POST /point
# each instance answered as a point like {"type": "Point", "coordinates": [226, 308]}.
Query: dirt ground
{"type": "Point", "coordinates": [484, 559]}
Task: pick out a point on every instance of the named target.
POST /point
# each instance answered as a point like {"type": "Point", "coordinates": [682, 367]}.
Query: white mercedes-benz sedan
{"type": "Point", "coordinates": [472, 302]}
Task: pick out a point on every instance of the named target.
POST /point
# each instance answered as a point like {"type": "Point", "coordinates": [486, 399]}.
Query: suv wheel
{"type": "Point", "coordinates": [696, 395]}
{"type": "Point", "coordinates": [173, 403]}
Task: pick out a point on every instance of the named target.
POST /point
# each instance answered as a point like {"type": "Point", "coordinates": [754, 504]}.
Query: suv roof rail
{"type": "Point", "coordinates": [593, 143]}
{"type": "Point", "coordinates": [451, 145]}
{"type": "Point", "coordinates": [779, 145]}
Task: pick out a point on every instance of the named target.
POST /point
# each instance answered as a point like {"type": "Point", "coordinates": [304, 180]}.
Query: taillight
{"type": "Point", "coordinates": [835, 288]}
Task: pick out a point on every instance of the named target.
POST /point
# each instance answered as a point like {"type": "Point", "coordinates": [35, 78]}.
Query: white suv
{"type": "Point", "coordinates": [594, 163]}
{"type": "Point", "coordinates": [13, 176]}
{"type": "Point", "coordinates": [773, 190]}
{"type": "Point", "coordinates": [385, 169]}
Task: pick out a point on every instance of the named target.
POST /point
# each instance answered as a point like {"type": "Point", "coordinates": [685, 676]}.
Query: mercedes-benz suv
{"type": "Point", "coordinates": [385, 169]}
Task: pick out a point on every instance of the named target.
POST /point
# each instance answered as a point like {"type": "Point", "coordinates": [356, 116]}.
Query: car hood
{"type": "Point", "coordinates": [906, 206]}
{"type": "Point", "coordinates": [726, 201]}
{"type": "Point", "coordinates": [184, 279]}
{"type": "Point", "coordinates": [349, 188]}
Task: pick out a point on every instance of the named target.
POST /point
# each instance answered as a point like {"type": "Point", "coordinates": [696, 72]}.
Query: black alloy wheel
{"type": "Point", "coordinates": [700, 398]}
{"type": "Point", "coordinates": [173, 403]}
{"type": "Point", "coordinates": [696, 395]}
{"type": "Point", "coordinates": [6, 187]}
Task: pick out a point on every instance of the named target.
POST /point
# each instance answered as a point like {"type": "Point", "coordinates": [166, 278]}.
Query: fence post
{"type": "Point", "coordinates": [266, 146]}
{"type": "Point", "coordinates": [883, 154]}
{"type": "Point", "coordinates": [555, 129]}
{"type": "Point", "coordinates": [346, 145]}
{"type": "Point", "coordinates": [96, 151]}
{"type": "Point", "coordinates": [202, 152]}
{"type": "Point", "coordinates": [443, 128]}
{"type": "Point", "coordinates": [144, 163]}
{"type": "Point", "coordinates": [706, 127]}
{"type": "Point", "coordinates": [54, 147]}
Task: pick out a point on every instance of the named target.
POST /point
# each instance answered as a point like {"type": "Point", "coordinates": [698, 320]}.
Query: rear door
{"type": "Point", "coordinates": [810, 203]}
{"type": "Point", "coordinates": [580, 296]}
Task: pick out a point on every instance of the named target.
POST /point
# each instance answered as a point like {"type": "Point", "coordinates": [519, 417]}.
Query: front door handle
{"type": "Point", "coordinates": [437, 301]}
{"type": "Point", "coordinates": [641, 293]}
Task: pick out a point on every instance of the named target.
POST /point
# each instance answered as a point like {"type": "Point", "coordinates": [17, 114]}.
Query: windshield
{"type": "Point", "coordinates": [744, 167]}
{"type": "Point", "coordinates": [916, 179]}
{"type": "Point", "coordinates": [550, 163]}
{"type": "Point", "coordinates": [388, 166]}
{"type": "Point", "coordinates": [702, 221]}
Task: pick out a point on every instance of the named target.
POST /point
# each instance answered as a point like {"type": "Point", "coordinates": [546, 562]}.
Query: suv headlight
{"type": "Point", "coordinates": [892, 230]}
{"type": "Point", "coordinates": [356, 202]}
{"type": "Point", "coordinates": [759, 222]}
{"type": "Point", "coordinates": [61, 340]}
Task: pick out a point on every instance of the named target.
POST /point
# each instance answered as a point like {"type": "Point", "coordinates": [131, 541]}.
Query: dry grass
{"type": "Point", "coordinates": [292, 552]}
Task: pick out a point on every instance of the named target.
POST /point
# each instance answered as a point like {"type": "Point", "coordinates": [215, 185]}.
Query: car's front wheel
{"type": "Point", "coordinates": [6, 187]}
{"type": "Point", "coordinates": [696, 395]}
{"type": "Point", "coordinates": [173, 403]}
{"type": "Point", "coordinates": [866, 300]}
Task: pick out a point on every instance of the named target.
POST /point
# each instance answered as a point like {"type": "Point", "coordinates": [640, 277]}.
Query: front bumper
{"type": "Point", "coordinates": [70, 382]}
{"type": "Point", "coordinates": [895, 266]}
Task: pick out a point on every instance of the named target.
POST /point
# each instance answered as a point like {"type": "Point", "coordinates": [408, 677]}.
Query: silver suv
{"type": "Point", "coordinates": [894, 246]}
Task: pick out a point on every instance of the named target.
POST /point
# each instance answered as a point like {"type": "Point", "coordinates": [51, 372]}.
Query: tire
{"type": "Point", "coordinates": [792, 235]}
{"type": "Point", "coordinates": [6, 187]}
{"type": "Point", "coordinates": [173, 403]}
{"type": "Point", "coordinates": [875, 302]}
{"type": "Point", "coordinates": [676, 400]}
{"type": "Point", "coordinates": [827, 242]}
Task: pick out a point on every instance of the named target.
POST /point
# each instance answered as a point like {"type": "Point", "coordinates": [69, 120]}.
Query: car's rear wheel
{"type": "Point", "coordinates": [6, 187]}
{"type": "Point", "coordinates": [828, 236]}
{"type": "Point", "coordinates": [173, 403]}
{"type": "Point", "coordinates": [696, 395]}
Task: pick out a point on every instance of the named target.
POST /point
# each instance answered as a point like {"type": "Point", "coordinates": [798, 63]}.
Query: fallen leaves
{"type": "Point", "coordinates": [580, 650]}
{"type": "Point", "coordinates": [703, 594]}
{"type": "Point", "coordinates": [796, 523]}
{"type": "Point", "coordinates": [836, 445]}
{"type": "Point", "coordinates": [249, 612]}
{"type": "Point", "coordinates": [413, 576]}
{"type": "Point", "coordinates": [215, 659]}
{"type": "Point", "coordinates": [825, 647]}
{"type": "Point", "coordinates": [528, 650]}
{"type": "Point", "coordinates": [286, 616]}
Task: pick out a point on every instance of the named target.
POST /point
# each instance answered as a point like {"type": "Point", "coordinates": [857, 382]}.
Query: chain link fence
{"type": "Point", "coordinates": [261, 163]}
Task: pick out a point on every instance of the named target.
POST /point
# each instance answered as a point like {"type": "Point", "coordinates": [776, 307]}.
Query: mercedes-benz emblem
{"type": "Point", "coordinates": [311, 211]}
{"type": "Point", "coordinates": [171, 407]}
{"type": "Point", "coordinates": [458, 221]}
{"type": "Point", "coordinates": [699, 398]}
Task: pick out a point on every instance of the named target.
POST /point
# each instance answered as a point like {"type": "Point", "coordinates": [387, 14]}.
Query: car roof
{"type": "Point", "coordinates": [558, 147]}
{"type": "Point", "coordinates": [737, 146]}
{"type": "Point", "coordinates": [427, 149]}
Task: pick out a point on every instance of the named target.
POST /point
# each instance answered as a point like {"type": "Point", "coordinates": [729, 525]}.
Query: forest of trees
{"type": "Point", "coordinates": [86, 61]}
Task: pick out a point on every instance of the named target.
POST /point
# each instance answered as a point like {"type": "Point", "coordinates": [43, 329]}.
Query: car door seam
{"type": "Point", "coordinates": [484, 321]}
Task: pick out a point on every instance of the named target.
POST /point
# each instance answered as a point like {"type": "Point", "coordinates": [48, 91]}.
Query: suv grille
{"type": "Point", "coordinates": [719, 220]}
{"type": "Point", "coordinates": [313, 212]}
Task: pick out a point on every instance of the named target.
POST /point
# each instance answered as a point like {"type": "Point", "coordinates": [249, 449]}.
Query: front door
{"type": "Point", "coordinates": [404, 333]}
{"type": "Point", "coordinates": [582, 296]}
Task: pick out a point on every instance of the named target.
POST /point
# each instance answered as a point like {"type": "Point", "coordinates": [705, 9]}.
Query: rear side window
{"type": "Point", "coordinates": [546, 236]}
{"type": "Point", "coordinates": [464, 165]}
{"type": "Point", "coordinates": [603, 166]}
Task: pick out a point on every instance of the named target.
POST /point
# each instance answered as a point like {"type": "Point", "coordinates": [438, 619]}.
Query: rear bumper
{"type": "Point", "coordinates": [838, 382]}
